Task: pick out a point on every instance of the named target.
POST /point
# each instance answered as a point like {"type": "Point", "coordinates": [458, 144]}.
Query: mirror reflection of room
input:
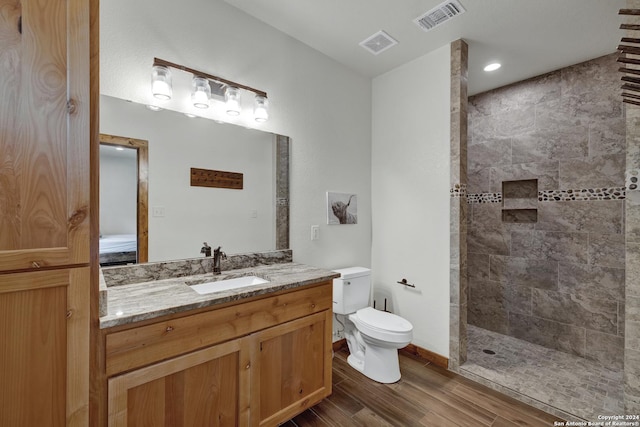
{"type": "Point", "coordinates": [118, 210]}
{"type": "Point", "coordinates": [182, 216]}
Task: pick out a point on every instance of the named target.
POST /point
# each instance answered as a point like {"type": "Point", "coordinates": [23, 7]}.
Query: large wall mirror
{"type": "Point", "coordinates": [179, 217]}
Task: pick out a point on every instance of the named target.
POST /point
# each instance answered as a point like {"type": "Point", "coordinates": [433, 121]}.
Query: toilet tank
{"type": "Point", "coordinates": [351, 290]}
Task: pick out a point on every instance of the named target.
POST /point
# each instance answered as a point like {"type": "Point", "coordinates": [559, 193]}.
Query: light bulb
{"type": "Point", "coordinates": [161, 82]}
{"type": "Point", "coordinates": [200, 92]}
{"type": "Point", "coordinates": [232, 98]}
{"type": "Point", "coordinates": [261, 109]}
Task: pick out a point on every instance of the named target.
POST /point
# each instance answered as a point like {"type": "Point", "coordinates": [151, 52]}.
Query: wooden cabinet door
{"type": "Point", "coordinates": [44, 347]}
{"type": "Point", "coordinates": [209, 387]}
{"type": "Point", "coordinates": [291, 368]}
{"type": "Point", "coordinates": [44, 133]}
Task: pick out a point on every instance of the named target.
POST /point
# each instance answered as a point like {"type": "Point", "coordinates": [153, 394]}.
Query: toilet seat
{"type": "Point", "coordinates": [382, 325]}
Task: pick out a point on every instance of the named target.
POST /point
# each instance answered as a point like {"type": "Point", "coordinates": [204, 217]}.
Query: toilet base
{"type": "Point", "coordinates": [377, 363]}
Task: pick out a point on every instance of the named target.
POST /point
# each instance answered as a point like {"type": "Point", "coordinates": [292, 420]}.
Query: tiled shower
{"type": "Point", "coordinates": [545, 229]}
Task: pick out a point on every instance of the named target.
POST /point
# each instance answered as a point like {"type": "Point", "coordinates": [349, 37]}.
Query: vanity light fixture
{"type": "Point", "coordinates": [232, 99]}
{"type": "Point", "coordinates": [201, 89]}
{"type": "Point", "coordinates": [261, 109]}
{"type": "Point", "coordinates": [161, 82]}
{"type": "Point", "coordinates": [493, 66]}
{"type": "Point", "coordinates": [200, 92]}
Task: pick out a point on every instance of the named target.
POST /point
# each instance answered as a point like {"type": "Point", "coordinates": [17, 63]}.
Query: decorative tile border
{"type": "Point", "coordinates": [485, 198]}
{"type": "Point", "coordinates": [611, 193]}
{"type": "Point", "coordinates": [458, 190]}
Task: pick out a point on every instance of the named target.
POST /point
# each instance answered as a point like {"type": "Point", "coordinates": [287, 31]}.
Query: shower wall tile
{"type": "Point", "coordinates": [545, 172]}
{"type": "Point", "coordinates": [546, 145]}
{"type": "Point", "coordinates": [483, 130]}
{"type": "Point", "coordinates": [632, 221]}
{"type": "Point", "coordinates": [632, 131]}
{"type": "Point", "coordinates": [477, 266]}
{"type": "Point", "coordinates": [489, 216]}
{"type": "Point", "coordinates": [622, 318]}
{"type": "Point", "coordinates": [550, 245]}
{"type": "Point", "coordinates": [490, 153]}
{"type": "Point", "coordinates": [524, 272]}
{"type": "Point", "coordinates": [479, 181]}
{"type": "Point", "coordinates": [600, 73]}
{"type": "Point", "coordinates": [518, 299]}
{"type": "Point", "coordinates": [595, 105]}
{"type": "Point", "coordinates": [591, 281]}
{"type": "Point", "coordinates": [632, 316]}
{"type": "Point", "coordinates": [533, 91]}
{"type": "Point", "coordinates": [597, 314]}
{"type": "Point", "coordinates": [493, 241]}
{"type": "Point", "coordinates": [487, 306]}
{"type": "Point", "coordinates": [592, 172]}
{"type": "Point", "coordinates": [632, 381]}
{"type": "Point", "coordinates": [607, 137]}
{"type": "Point", "coordinates": [605, 348]}
{"type": "Point", "coordinates": [516, 121]}
{"type": "Point", "coordinates": [602, 216]}
{"type": "Point", "coordinates": [607, 250]}
{"type": "Point", "coordinates": [548, 333]}
{"type": "Point", "coordinates": [633, 269]}
{"type": "Point", "coordinates": [481, 106]}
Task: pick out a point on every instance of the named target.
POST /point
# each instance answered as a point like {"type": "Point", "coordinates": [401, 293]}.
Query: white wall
{"type": "Point", "coordinates": [410, 192]}
{"type": "Point", "coordinates": [118, 191]}
{"type": "Point", "coordinates": [324, 107]}
{"type": "Point", "coordinates": [192, 215]}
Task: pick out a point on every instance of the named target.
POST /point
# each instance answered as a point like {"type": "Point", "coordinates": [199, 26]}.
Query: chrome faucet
{"type": "Point", "coordinates": [217, 255]}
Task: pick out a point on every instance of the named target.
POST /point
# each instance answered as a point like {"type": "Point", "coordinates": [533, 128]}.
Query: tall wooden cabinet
{"type": "Point", "coordinates": [45, 212]}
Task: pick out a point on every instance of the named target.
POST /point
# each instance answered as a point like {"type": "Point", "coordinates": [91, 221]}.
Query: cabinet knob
{"type": "Point", "coordinates": [69, 314]}
{"type": "Point", "coordinates": [248, 366]}
{"type": "Point", "coordinates": [169, 328]}
{"type": "Point", "coordinates": [35, 264]}
{"type": "Point", "coordinates": [313, 306]}
{"type": "Point", "coordinates": [71, 106]}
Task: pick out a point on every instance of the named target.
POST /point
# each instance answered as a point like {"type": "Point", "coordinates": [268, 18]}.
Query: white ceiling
{"type": "Point", "coordinates": [529, 37]}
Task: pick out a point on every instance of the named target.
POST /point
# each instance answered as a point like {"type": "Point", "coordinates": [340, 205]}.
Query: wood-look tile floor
{"type": "Point", "coordinates": [425, 396]}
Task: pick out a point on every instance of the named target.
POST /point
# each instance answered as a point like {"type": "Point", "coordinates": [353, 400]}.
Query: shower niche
{"type": "Point", "coordinates": [520, 201]}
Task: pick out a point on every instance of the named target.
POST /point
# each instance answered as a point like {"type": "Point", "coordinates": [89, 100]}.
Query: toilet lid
{"type": "Point", "coordinates": [383, 320]}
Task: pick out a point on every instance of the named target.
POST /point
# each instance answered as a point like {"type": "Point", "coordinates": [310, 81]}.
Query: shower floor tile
{"type": "Point", "coordinates": [571, 384]}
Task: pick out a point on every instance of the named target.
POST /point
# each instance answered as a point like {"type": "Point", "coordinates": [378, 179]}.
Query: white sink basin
{"type": "Point", "coordinates": [228, 284]}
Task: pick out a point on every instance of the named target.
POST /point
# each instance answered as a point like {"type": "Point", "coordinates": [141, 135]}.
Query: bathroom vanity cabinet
{"type": "Point", "coordinates": [255, 362]}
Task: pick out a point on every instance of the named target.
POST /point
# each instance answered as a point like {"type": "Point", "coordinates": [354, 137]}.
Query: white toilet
{"type": "Point", "coordinates": [373, 336]}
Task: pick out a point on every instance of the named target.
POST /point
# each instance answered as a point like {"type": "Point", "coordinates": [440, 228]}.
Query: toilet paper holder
{"type": "Point", "coordinates": [407, 284]}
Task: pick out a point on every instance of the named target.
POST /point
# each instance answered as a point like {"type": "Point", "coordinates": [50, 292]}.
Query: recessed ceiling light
{"type": "Point", "coordinates": [154, 108]}
{"type": "Point", "coordinates": [493, 66]}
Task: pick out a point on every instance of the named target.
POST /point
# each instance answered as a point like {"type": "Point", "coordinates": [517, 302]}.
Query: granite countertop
{"type": "Point", "coordinates": [142, 301]}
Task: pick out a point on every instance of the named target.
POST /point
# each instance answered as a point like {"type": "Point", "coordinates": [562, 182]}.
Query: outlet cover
{"type": "Point", "coordinates": [157, 211]}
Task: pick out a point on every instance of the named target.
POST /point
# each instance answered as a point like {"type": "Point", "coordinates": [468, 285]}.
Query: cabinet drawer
{"type": "Point", "coordinates": [133, 348]}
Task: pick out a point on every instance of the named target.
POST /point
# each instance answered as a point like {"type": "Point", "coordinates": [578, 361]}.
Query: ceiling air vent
{"type": "Point", "coordinates": [378, 42]}
{"type": "Point", "coordinates": [439, 14]}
